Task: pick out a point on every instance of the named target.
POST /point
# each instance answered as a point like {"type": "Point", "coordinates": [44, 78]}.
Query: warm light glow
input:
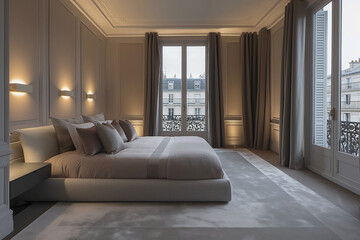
{"type": "Point", "coordinates": [18, 81]}
{"type": "Point", "coordinates": [17, 93]}
{"type": "Point", "coordinates": [65, 97]}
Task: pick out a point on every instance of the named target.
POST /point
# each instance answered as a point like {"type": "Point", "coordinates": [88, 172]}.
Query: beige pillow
{"type": "Point", "coordinates": [110, 138]}
{"type": "Point", "coordinates": [75, 136]}
{"type": "Point", "coordinates": [39, 143]}
{"type": "Point", "coordinates": [94, 118]}
{"type": "Point", "coordinates": [90, 141]}
{"type": "Point", "coordinates": [118, 128]}
{"type": "Point", "coordinates": [128, 129]}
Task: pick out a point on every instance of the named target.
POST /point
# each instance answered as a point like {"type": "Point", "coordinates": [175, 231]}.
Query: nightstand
{"type": "Point", "coordinates": [24, 176]}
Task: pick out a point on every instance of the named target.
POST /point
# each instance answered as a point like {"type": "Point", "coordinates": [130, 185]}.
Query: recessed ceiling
{"type": "Point", "coordinates": [171, 17]}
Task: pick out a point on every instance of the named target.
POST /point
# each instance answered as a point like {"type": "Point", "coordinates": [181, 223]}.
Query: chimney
{"type": "Point", "coordinates": [354, 64]}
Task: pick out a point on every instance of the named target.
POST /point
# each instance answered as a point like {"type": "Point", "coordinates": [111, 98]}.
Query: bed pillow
{"type": "Point", "coordinates": [75, 136]}
{"type": "Point", "coordinates": [89, 140]}
{"type": "Point", "coordinates": [62, 133]}
{"type": "Point", "coordinates": [118, 128]}
{"type": "Point", "coordinates": [129, 130]}
{"type": "Point", "coordinates": [94, 118]}
{"type": "Point", "coordinates": [110, 138]}
{"type": "Point", "coordinates": [39, 143]}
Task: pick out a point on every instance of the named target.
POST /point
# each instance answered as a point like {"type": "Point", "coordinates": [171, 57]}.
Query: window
{"type": "Point", "coordinates": [347, 99]}
{"type": "Point", "coordinates": [197, 98]}
{"type": "Point", "coordinates": [171, 98]}
{"type": "Point", "coordinates": [197, 84]}
{"type": "Point", "coordinates": [348, 80]}
{"type": "Point", "coordinates": [347, 117]}
{"type": "Point", "coordinates": [184, 91]}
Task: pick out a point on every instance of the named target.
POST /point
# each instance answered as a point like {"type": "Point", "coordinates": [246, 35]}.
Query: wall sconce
{"type": "Point", "coordinates": [90, 96]}
{"type": "Point", "coordinates": [21, 88]}
{"type": "Point", "coordinates": [66, 93]}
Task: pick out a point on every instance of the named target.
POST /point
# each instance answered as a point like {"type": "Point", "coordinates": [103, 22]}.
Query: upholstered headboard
{"type": "Point", "coordinates": [15, 145]}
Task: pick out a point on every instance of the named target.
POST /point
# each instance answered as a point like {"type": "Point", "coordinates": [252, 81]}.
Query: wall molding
{"type": "Point", "coordinates": [44, 81]}
{"type": "Point", "coordinates": [6, 217]}
{"type": "Point", "coordinates": [107, 25]}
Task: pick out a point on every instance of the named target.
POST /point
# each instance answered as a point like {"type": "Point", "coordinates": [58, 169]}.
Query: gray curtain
{"type": "Point", "coordinates": [248, 78]}
{"type": "Point", "coordinates": [292, 86]}
{"type": "Point", "coordinates": [152, 84]}
{"type": "Point", "coordinates": [216, 108]}
{"type": "Point", "coordinates": [255, 85]}
{"type": "Point", "coordinates": [263, 107]}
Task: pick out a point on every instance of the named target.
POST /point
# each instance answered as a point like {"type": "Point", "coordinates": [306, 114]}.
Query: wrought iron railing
{"type": "Point", "coordinates": [173, 123]}
{"type": "Point", "coordinates": [349, 137]}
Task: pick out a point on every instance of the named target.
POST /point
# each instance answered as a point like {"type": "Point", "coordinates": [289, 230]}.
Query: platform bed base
{"type": "Point", "coordinates": [130, 190]}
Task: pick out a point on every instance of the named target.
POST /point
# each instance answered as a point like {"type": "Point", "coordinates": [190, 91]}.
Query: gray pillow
{"type": "Point", "coordinates": [109, 137]}
{"type": "Point", "coordinates": [62, 133]}
{"type": "Point", "coordinates": [75, 136]}
{"type": "Point", "coordinates": [128, 129]}
{"type": "Point", "coordinates": [90, 141]}
{"type": "Point", "coordinates": [118, 128]}
{"type": "Point", "coordinates": [94, 118]}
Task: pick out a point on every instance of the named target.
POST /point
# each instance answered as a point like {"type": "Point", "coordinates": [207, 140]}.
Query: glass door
{"type": "Point", "coordinates": [334, 150]}
{"type": "Point", "coordinates": [347, 153]}
{"type": "Point", "coordinates": [323, 105]}
{"type": "Point", "coordinates": [183, 90]}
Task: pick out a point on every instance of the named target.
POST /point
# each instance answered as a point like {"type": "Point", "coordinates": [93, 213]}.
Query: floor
{"type": "Point", "coordinates": [267, 204]}
{"type": "Point", "coordinates": [341, 197]}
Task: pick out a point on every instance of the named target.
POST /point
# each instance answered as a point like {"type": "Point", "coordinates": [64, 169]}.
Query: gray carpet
{"type": "Point", "coordinates": [266, 204]}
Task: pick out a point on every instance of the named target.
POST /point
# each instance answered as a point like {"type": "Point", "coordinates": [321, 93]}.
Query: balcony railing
{"type": "Point", "coordinates": [349, 137]}
{"type": "Point", "coordinates": [189, 101]}
{"type": "Point", "coordinates": [173, 123]}
{"type": "Point", "coordinates": [347, 87]}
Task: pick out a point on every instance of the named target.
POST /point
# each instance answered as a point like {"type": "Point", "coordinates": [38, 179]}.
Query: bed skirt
{"type": "Point", "coordinates": [130, 190]}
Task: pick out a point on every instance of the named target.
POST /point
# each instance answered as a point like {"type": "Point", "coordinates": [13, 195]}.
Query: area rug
{"type": "Point", "coordinates": [266, 204]}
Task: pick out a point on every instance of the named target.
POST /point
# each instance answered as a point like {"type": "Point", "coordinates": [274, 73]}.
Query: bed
{"type": "Point", "coordinates": [149, 169]}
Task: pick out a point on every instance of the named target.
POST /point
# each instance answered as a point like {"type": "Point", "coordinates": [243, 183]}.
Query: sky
{"type": "Point", "coordinates": [172, 61]}
{"type": "Point", "coordinates": [350, 49]}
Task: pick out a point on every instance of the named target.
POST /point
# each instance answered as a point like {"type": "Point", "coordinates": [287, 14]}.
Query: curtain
{"type": "Point", "coordinates": [263, 108]}
{"type": "Point", "coordinates": [255, 86]}
{"type": "Point", "coordinates": [248, 78]}
{"type": "Point", "coordinates": [292, 86]}
{"type": "Point", "coordinates": [152, 84]}
{"type": "Point", "coordinates": [215, 108]}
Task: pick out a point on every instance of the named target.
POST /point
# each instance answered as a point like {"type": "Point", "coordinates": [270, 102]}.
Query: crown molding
{"type": "Point", "coordinates": [273, 16]}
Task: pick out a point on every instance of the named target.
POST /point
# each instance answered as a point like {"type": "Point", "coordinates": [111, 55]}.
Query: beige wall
{"type": "Point", "coordinates": [125, 80]}
{"type": "Point", "coordinates": [67, 52]}
{"type": "Point", "coordinates": [230, 53]}
{"type": "Point", "coordinates": [276, 53]}
{"type": "Point", "coordinates": [125, 84]}
{"type": "Point", "coordinates": [53, 47]}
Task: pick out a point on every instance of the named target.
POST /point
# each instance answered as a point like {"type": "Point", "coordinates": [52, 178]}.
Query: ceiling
{"type": "Point", "coordinates": [180, 17]}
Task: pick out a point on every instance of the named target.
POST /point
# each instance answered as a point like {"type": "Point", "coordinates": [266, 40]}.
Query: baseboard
{"type": "Point", "coordinates": [334, 179]}
{"type": "Point", "coordinates": [6, 221]}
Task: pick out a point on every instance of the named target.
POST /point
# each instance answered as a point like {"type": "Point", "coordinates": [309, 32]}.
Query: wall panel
{"type": "Point", "coordinates": [24, 60]}
{"type": "Point", "coordinates": [276, 54]}
{"type": "Point", "coordinates": [89, 69]}
{"type": "Point", "coordinates": [230, 54]}
{"type": "Point", "coordinates": [62, 47]}
{"type": "Point", "coordinates": [53, 47]}
{"type": "Point", "coordinates": [125, 80]}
